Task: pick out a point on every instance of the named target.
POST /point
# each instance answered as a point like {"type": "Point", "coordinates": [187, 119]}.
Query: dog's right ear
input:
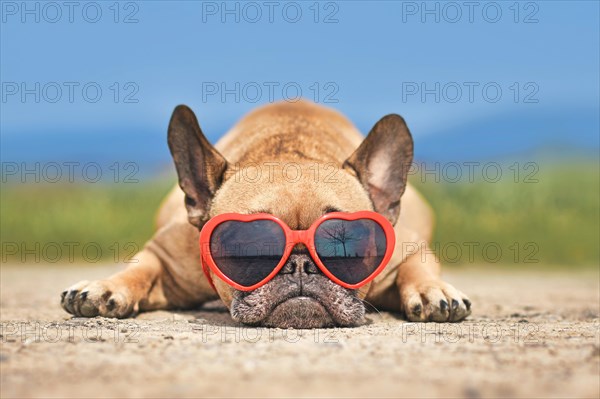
{"type": "Point", "coordinates": [199, 165]}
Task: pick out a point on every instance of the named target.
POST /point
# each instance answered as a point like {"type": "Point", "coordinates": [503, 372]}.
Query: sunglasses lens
{"type": "Point", "coordinates": [247, 252]}
{"type": "Point", "coordinates": [350, 249]}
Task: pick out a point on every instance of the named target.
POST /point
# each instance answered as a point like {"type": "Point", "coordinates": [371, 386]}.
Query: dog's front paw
{"type": "Point", "coordinates": [97, 298]}
{"type": "Point", "coordinates": [434, 300]}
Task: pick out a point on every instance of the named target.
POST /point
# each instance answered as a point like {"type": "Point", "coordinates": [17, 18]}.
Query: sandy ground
{"type": "Point", "coordinates": [531, 334]}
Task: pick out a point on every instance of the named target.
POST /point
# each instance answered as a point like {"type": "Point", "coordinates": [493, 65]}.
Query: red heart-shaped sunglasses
{"type": "Point", "coordinates": [247, 251]}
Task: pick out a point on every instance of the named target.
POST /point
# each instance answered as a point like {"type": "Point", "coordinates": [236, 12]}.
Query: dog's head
{"type": "Point", "coordinates": [300, 296]}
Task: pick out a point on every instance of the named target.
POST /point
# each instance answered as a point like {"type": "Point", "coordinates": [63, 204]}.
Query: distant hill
{"type": "Point", "coordinates": [548, 134]}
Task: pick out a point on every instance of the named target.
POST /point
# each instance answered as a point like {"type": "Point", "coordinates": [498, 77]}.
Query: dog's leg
{"type": "Point", "coordinates": [167, 275]}
{"type": "Point", "coordinates": [138, 287]}
{"type": "Point", "coordinates": [424, 296]}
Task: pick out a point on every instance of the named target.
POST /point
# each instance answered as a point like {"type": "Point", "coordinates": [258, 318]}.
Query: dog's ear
{"type": "Point", "coordinates": [381, 163]}
{"type": "Point", "coordinates": [199, 165]}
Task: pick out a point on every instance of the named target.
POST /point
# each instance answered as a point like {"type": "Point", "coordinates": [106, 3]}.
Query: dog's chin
{"type": "Point", "coordinates": [299, 312]}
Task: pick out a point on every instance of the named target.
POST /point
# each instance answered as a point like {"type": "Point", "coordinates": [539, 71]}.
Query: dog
{"type": "Point", "coordinates": [334, 169]}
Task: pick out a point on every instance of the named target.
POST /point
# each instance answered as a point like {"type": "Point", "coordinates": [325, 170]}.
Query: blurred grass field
{"type": "Point", "coordinates": [552, 222]}
{"type": "Point", "coordinates": [549, 223]}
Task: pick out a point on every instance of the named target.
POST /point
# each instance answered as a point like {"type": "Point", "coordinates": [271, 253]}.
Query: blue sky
{"type": "Point", "coordinates": [543, 56]}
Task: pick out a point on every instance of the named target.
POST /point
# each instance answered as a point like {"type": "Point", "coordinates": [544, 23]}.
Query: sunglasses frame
{"type": "Point", "coordinates": [293, 238]}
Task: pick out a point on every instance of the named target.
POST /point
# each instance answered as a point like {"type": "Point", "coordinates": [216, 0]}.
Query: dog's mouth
{"type": "Point", "coordinates": [282, 306]}
{"type": "Point", "coordinates": [299, 312]}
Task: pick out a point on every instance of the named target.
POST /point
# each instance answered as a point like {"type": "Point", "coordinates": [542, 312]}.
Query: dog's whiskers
{"type": "Point", "coordinates": [371, 305]}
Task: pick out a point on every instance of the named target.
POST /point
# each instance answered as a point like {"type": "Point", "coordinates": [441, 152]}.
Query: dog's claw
{"type": "Point", "coordinates": [443, 305]}
{"type": "Point", "coordinates": [467, 304]}
{"type": "Point", "coordinates": [416, 310]}
{"type": "Point", "coordinates": [454, 304]}
{"type": "Point", "coordinates": [106, 295]}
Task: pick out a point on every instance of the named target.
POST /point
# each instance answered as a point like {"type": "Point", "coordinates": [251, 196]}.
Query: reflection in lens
{"type": "Point", "coordinates": [350, 249]}
{"type": "Point", "coordinates": [247, 252]}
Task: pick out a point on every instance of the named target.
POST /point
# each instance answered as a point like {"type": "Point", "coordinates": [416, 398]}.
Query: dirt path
{"type": "Point", "coordinates": [528, 336]}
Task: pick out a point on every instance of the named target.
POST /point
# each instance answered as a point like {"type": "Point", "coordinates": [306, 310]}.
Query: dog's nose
{"type": "Point", "coordinates": [299, 264]}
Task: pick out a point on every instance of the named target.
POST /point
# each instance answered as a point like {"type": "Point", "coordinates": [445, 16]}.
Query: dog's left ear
{"type": "Point", "coordinates": [381, 163]}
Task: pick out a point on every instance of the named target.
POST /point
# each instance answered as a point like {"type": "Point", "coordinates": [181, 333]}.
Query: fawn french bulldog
{"type": "Point", "coordinates": [300, 177]}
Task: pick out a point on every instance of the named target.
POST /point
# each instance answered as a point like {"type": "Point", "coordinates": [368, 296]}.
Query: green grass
{"type": "Point", "coordinates": [553, 222]}
{"type": "Point", "coordinates": [115, 218]}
